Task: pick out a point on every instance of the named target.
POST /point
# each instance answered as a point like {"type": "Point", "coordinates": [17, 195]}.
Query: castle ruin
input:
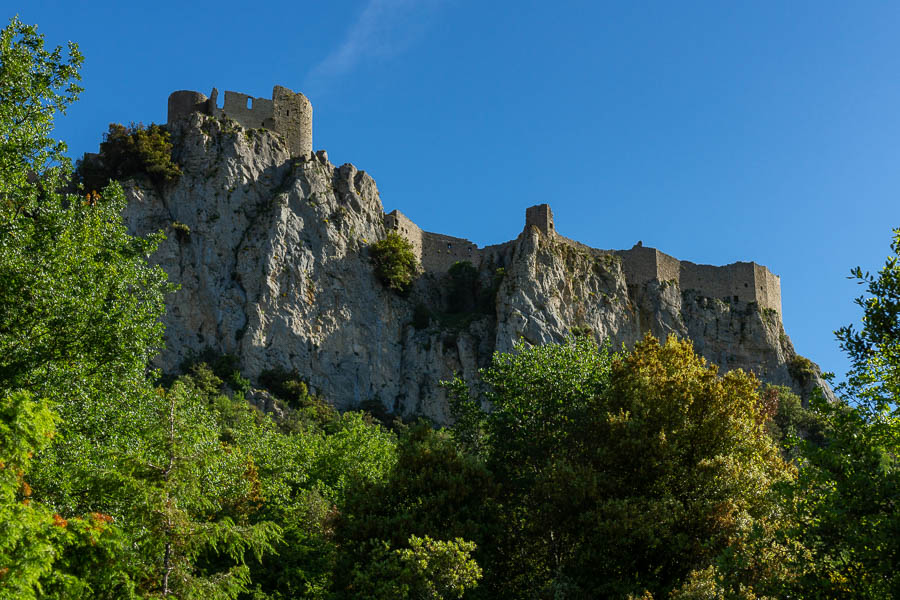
{"type": "Point", "coordinates": [286, 113]}
{"type": "Point", "coordinates": [290, 115]}
{"type": "Point", "coordinates": [737, 282]}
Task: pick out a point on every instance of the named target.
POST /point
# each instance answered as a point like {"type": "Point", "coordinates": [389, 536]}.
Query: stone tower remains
{"type": "Point", "coordinates": [540, 216]}
{"type": "Point", "coordinates": [287, 113]}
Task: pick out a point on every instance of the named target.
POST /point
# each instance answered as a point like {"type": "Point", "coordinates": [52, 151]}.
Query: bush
{"type": "Point", "coordinates": [290, 387]}
{"type": "Point", "coordinates": [801, 368]}
{"type": "Point", "coordinates": [396, 266]}
{"type": "Point", "coordinates": [129, 151]}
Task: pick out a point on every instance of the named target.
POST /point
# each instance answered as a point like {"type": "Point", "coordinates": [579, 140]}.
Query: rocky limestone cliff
{"type": "Point", "coordinates": [271, 253]}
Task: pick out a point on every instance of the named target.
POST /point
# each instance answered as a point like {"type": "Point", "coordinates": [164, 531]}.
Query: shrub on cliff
{"type": "Point", "coordinates": [396, 266]}
{"type": "Point", "coordinates": [129, 151]}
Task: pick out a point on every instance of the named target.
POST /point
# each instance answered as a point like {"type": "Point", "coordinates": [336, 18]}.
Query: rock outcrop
{"type": "Point", "coordinates": [271, 253]}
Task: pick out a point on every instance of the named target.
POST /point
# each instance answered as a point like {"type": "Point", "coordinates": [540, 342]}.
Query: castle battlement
{"type": "Point", "coordinates": [737, 282]}
{"type": "Point", "coordinates": [286, 113]}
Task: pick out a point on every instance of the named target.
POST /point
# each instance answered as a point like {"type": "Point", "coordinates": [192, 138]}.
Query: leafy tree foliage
{"type": "Point", "coordinates": [396, 266]}
{"type": "Point", "coordinates": [127, 152]}
{"type": "Point", "coordinates": [427, 568]}
{"type": "Point", "coordinates": [433, 489]}
{"type": "Point", "coordinates": [35, 84]}
{"type": "Point", "coordinates": [27, 545]}
{"type": "Point", "coordinates": [846, 498]}
{"type": "Point", "coordinates": [78, 302]}
{"type": "Point", "coordinates": [619, 474]}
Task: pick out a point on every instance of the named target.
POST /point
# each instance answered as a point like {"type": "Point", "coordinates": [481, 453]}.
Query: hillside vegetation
{"type": "Point", "coordinates": [594, 474]}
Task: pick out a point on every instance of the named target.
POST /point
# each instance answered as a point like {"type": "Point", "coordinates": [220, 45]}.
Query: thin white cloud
{"type": "Point", "coordinates": [383, 29]}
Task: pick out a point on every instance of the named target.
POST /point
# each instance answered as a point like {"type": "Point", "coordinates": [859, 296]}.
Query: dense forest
{"type": "Point", "coordinates": [597, 473]}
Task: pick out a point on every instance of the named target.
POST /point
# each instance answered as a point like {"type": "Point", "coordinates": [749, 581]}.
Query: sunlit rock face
{"type": "Point", "coordinates": [271, 253]}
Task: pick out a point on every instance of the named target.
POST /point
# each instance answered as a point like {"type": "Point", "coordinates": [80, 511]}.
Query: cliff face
{"type": "Point", "coordinates": [271, 253]}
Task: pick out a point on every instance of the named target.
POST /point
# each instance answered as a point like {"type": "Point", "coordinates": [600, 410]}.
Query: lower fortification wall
{"type": "Point", "coordinates": [737, 282]}
{"type": "Point", "coordinates": [436, 252]}
{"type": "Point", "coordinates": [439, 252]}
{"type": "Point", "coordinates": [740, 281]}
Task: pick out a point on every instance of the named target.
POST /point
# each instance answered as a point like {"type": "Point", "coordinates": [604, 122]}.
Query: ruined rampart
{"type": "Point", "coordinates": [435, 251]}
{"type": "Point", "coordinates": [737, 282]}
{"type": "Point", "coordinates": [286, 113]}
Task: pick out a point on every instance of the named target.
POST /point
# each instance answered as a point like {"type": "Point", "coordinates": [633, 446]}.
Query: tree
{"type": "Point", "coordinates": [427, 569]}
{"type": "Point", "coordinates": [78, 310]}
{"type": "Point", "coordinates": [192, 495]}
{"type": "Point", "coordinates": [531, 439]}
{"type": "Point", "coordinates": [27, 546]}
{"type": "Point", "coordinates": [847, 498]}
{"type": "Point", "coordinates": [78, 301]}
{"type": "Point", "coordinates": [39, 548]}
{"type": "Point", "coordinates": [35, 84]}
{"type": "Point", "coordinates": [620, 474]}
{"type": "Point", "coordinates": [128, 152]}
{"type": "Point", "coordinates": [433, 491]}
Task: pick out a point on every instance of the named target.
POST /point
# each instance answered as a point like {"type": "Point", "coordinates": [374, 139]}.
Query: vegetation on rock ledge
{"type": "Point", "coordinates": [396, 266]}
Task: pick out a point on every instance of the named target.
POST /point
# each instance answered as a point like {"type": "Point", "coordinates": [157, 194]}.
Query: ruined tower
{"type": "Point", "coordinates": [286, 113]}
{"type": "Point", "coordinates": [540, 216]}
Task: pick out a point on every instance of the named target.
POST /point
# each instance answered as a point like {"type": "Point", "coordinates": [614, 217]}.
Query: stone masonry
{"type": "Point", "coordinates": [738, 282]}
{"type": "Point", "coordinates": [286, 113]}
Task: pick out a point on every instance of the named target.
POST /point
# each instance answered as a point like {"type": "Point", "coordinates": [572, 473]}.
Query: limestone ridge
{"type": "Point", "coordinates": [271, 253]}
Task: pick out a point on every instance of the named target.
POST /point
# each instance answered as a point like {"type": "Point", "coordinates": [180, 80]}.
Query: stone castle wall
{"type": "Point", "coordinates": [287, 113]}
{"type": "Point", "coordinates": [439, 252]}
{"type": "Point", "coordinates": [397, 222]}
{"type": "Point", "coordinates": [738, 282]}
{"type": "Point", "coordinates": [436, 252]}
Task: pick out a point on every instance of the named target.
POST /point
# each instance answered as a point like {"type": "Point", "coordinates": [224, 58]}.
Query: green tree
{"type": "Point", "coordinates": [192, 498]}
{"type": "Point", "coordinates": [425, 569]}
{"type": "Point", "coordinates": [35, 84]}
{"type": "Point", "coordinates": [27, 546]}
{"type": "Point", "coordinates": [396, 266]}
{"type": "Point", "coordinates": [846, 498]}
{"type": "Point", "coordinates": [78, 301]}
{"type": "Point", "coordinates": [128, 152]}
{"type": "Point", "coordinates": [38, 547]}
{"type": "Point", "coordinates": [620, 474]}
{"type": "Point", "coordinates": [433, 490]}
{"type": "Point", "coordinates": [531, 441]}
{"type": "Point", "coordinates": [78, 304]}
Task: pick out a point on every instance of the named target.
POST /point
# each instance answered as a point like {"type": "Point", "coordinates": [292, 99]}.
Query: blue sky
{"type": "Point", "coordinates": [716, 132]}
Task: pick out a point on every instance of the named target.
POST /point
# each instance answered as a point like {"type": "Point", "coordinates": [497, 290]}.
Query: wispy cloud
{"type": "Point", "coordinates": [383, 29]}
